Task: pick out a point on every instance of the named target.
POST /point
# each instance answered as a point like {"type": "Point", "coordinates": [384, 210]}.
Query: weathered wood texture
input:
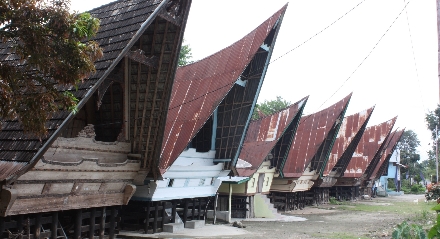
{"type": "Point", "coordinates": [86, 223]}
{"type": "Point", "coordinates": [151, 216]}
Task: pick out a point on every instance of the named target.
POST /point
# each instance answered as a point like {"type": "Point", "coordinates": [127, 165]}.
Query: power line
{"type": "Point", "coordinates": [250, 74]}
{"type": "Point", "coordinates": [368, 55]}
{"type": "Point", "coordinates": [414, 58]}
{"type": "Point", "coordinates": [316, 34]}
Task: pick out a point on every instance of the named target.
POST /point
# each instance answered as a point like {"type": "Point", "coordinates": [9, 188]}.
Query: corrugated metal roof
{"type": "Point", "coordinates": [349, 134]}
{"type": "Point", "coordinates": [310, 136]}
{"type": "Point", "coordinates": [120, 24]}
{"type": "Point", "coordinates": [392, 142]}
{"type": "Point", "coordinates": [264, 133]}
{"type": "Point", "coordinates": [200, 87]}
{"type": "Point", "coordinates": [372, 140]}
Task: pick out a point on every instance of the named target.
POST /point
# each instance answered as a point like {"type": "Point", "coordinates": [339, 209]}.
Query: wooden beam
{"type": "Point", "coordinates": [111, 231]}
{"type": "Point", "coordinates": [185, 210]}
{"type": "Point", "coordinates": [147, 218]}
{"type": "Point", "coordinates": [173, 211]}
{"type": "Point", "coordinates": [2, 226]}
{"type": "Point", "coordinates": [156, 215]}
{"type": "Point", "coordinates": [102, 223]}
{"type": "Point", "coordinates": [37, 228]}
{"type": "Point", "coordinates": [164, 214]}
{"type": "Point", "coordinates": [54, 225]}
{"type": "Point", "coordinates": [92, 223]}
{"type": "Point", "coordinates": [78, 222]}
{"type": "Point", "coordinates": [193, 209]}
{"type": "Point", "coordinates": [199, 209]}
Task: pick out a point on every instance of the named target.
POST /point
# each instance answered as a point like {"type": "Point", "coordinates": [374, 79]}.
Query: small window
{"type": "Point", "coordinates": [267, 181]}
{"type": "Point", "coordinates": [253, 182]}
{"type": "Point", "coordinates": [202, 182]}
{"type": "Point", "coordinates": [212, 181]}
{"type": "Point", "coordinates": [170, 183]}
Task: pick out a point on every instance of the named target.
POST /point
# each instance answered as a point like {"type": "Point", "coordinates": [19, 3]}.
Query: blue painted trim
{"type": "Point", "coordinates": [240, 82]}
{"type": "Point", "coordinates": [214, 128]}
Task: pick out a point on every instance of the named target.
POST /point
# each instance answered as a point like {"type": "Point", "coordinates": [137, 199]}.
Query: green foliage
{"type": "Point", "coordinates": [406, 231]}
{"type": "Point", "coordinates": [408, 153]}
{"type": "Point", "coordinates": [52, 48]}
{"type": "Point", "coordinates": [269, 107]}
{"type": "Point", "coordinates": [185, 55]}
{"type": "Point", "coordinates": [417, 188]}
{"type": "Point", "coordinates": [434, 232]}
{"type": "Point", "coordinates": [391, 184]}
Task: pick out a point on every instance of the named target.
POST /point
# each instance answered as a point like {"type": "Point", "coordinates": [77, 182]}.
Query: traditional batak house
{"type": "Point", "coordinates": [308, 155]}
{"type": "Point", "coordinates": [369, 151]}
{"type": "Point", "coordinates": [391, 169]}
{"type": "Point", "coordinates": [211, 106]}
{"type": "Point", "coordinates": [69, 183]}
{"type": "Point", "coordinates": [382, 166]}
{"type": "Point", "coordinates": [348, 138]}
{"type": "Point", "coordinates": [265, 148]}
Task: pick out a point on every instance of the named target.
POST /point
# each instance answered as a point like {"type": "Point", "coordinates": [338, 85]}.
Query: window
{"type": "Point", "coordinates": [170, 183]}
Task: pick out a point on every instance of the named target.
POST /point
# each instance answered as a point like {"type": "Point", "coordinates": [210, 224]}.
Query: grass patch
{"type": "Point", "coordinates": [409, 208]}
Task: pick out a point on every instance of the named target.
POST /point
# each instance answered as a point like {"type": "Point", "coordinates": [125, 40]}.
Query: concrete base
{"type": "Point", "coordinates": [194, 224]}
{"type": "Point", "coordinates": [173, 227]}
{"type": "Point", "coordinates": [221, 215]}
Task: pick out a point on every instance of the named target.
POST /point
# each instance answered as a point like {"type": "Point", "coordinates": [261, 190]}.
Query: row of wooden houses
{"type": "Point", "coordinates": [153, 144]}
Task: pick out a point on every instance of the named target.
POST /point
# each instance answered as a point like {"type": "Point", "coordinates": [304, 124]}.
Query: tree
{"type": "Point", "coordinates": [408, 152]}
{"type": "Point", "coordinates": [185, 55]}
{"type": "Point", "coordinates": [269, 107]}
{"type": "Point", "coordinates": [51, 48]}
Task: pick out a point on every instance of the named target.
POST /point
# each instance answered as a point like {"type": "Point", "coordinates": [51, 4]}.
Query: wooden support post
{"type": "Point", "coordinates": [164, 214]}
{"type": "Point", "coordinates": [78, 222]}
{"type": "Point", "coordinates": [199, 200]}
{"type": "Point", "coordinates": [37, 227]}
{"type": "Point", "coordinates": [20, 224]}
{"type": "Point", "coordinates": [193, 209]}
{"type": "Point", "coordinates": [102, 223]}
{"type": "Point", "coordinates": [147, 217]}
{"type": "Point", "coordinates": [92, 223]}
{"type": "Point", "coordinates": [2, 226]}
{"type": "Point", "coordinates": [173, 211]}
{"type": "Point", "coordinates": [156, 215]}
{"type": "Point", "coordinates": [111, 230]}
{"type": "Point", "coordinates": [185, 210]}
{"type": "Point", "coordinates": [54, 226]}
{"type": "Point", "coordinates": [230, 203]}
{"type": "Point", "coordinates": [215, 208]}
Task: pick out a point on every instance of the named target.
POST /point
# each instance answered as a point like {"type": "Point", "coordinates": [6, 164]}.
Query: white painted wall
{"type": "Point", "coordinates": [192, 175]}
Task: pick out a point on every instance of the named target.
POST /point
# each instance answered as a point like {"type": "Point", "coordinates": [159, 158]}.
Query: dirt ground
{"type": "Point", "coordinates": [363, 219]}
{"type": "Point", "coordinates": [331, 221]}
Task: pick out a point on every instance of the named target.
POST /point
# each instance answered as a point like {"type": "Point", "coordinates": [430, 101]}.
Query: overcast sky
{"type": "Point", "coordinates": [388, 77]}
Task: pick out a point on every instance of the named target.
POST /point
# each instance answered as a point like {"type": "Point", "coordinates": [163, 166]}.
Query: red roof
{"type": "Point", "coordinates": [367, 148]}
{"type": "Point", "coordinates": [264, 133]}
{"type": "Point", "coordinates": [349, 129]}
{"type": "Point", "coordinates": [392, 141]}
{"type": "Point", "coordinates": [200, 87]}
{"type": "Point", "coordinates": [311, 133]}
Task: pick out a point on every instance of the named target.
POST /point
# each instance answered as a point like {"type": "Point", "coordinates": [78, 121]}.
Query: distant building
{"type": "Point", "coordinates": [392, 172]}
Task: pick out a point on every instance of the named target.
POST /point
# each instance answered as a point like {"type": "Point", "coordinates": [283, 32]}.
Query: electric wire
{"type": "Point", "coordinates": [368, 55]}
{"type": "Point", "coordinates": [276, 59]}
{"type": "Point", "coordinates": [414, 59]}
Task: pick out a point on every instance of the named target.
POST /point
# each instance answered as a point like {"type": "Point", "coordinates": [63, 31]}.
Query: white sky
{"type": "Point", "coordinates": [318, 68]}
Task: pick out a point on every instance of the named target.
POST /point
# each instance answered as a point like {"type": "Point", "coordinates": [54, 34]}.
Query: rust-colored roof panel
{"type": "Point", "coordinates": [264, 133]}
{"type": "Point", "coordinates": [369, 145]}
{"type": "Point", "coordinates": [347, 132]}
{"type": "Point", "coordinates": [391, 144]}
{"type": "Point", "coordinates": [200, 87]}
{"type": "Point", "coordinates": [311, 133]}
